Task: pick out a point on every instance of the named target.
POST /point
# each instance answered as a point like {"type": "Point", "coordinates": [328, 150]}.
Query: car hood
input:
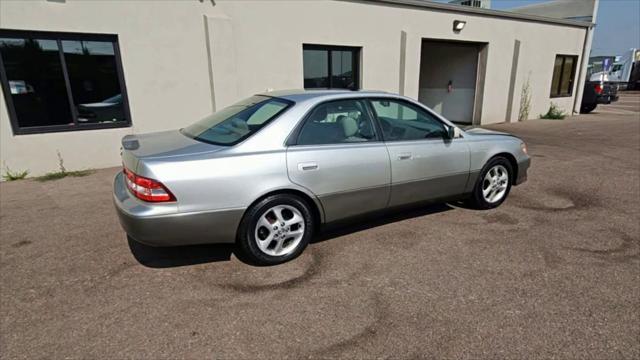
{"type": "Point", "coordinates": [481, 131]}
{"type": "Point", "coordinates": [165, 144]}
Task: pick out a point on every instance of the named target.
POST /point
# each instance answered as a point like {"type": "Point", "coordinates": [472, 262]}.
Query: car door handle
{"type": "Point", "coordinates": [404, 156]}
{"type": "Point", "coordinates": [308, 166]}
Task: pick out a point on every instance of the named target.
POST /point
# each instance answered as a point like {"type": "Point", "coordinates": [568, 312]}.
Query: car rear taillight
{"type": "Point", "coordinates": [147, 189]}
{"type": "Point", "coordinates": [598, 89]}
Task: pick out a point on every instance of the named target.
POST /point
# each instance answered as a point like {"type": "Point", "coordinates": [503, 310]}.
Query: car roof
{"type": "Point", "coordinates": [301, 94]}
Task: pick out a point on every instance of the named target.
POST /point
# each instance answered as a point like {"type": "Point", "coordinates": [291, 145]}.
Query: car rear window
{"type": "Point", "coordinates": [237, 122]}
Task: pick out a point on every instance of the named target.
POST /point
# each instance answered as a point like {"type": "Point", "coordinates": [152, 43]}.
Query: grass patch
{"type": "Point", "coordinates": [63, 173]}
{"type": "Point", "coordinates": [10, 175]}
{"type": "Point", "coordinates": [554, 113]}
{"type": "Point", "coordinates": [55, 175]}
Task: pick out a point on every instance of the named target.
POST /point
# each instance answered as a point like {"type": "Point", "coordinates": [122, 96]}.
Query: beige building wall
{"type": "Point", "coordinates": [183, 58]}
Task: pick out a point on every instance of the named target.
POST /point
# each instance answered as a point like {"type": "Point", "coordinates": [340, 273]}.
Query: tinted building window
{"type": "Point", "coordinates": [342, 70]}
{"type": "Point", "coordinates": [330, 67]}
{"type": "Point", "coordinates": [93, 77]}
{"type": "Point", "coordinates": [564, 70]}
{"type": "Point", "coordinates": [60, 81]}
{"type": "Point", "coordinates": [35, 81]}
{"type": "Point", "coordinates": [316, 68]}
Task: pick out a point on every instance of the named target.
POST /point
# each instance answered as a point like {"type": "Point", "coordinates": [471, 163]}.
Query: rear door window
{"type": "Point", "coordinates": [335, 122]}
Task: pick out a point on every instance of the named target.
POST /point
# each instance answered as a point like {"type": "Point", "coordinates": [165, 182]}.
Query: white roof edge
{"type": "Point", "coordinates": [479, 11]}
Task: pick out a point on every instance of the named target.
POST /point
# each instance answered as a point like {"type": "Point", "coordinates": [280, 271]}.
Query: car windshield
{"type": "Point", "coordinates": [237, 122]}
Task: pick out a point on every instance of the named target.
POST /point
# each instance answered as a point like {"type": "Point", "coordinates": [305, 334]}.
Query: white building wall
{"type": "Point", "coordinates": [167, 62]}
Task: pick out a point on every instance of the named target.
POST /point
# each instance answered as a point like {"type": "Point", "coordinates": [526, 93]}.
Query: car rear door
{"type": "Point", "coordinates": [425, 164]}
{"type": "Point", "coordinates": [339, 156]}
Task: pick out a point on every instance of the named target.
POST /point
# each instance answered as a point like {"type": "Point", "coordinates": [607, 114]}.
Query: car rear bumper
{"type": "Point", "coordinates": [164, 225]}
{"type": "Point", "coordinates": [606, 99]}
{"type": "Point", "coordinates": [523, 167]}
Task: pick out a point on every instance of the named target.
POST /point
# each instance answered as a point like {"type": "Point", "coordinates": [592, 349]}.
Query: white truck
{"type": "Point", "coordinates": [620, 72]}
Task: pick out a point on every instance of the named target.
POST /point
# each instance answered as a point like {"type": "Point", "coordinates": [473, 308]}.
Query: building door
{"type": "Point", "coordinates": [449, 75]}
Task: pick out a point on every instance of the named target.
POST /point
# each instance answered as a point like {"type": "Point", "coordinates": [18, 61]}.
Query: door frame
{"type": "Point", "coordinates": [481, 67]}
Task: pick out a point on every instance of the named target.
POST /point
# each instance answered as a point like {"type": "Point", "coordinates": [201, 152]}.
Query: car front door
{"type": "Point", "coordinates": [425, 163]}
{"type": "Point", "coordinates": [339, 156]}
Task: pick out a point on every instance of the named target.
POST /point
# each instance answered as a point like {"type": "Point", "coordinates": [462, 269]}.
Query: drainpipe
{"type": "Point", "coordinates": [586, 52]}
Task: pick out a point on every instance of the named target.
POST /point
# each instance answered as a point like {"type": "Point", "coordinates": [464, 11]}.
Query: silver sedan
{"type": "Point", "coordinates": [267, 172]}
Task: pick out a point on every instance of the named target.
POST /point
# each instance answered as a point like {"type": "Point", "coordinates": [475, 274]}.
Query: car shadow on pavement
{"type": "Point", "coordinates": [166, 257]}
{"type": "Point", "coordinates": [369, 221]}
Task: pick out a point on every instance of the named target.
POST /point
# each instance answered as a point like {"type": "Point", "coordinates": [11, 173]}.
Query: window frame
{"type": "Point", "coordinates": [294, 137]}
{"type": "Point", "coordinates": [355, 63]}
{"type": "Point", "coordinates": [555, 93]}
{"type": "Point", "coordinates": [411, 105]}
{"type": "Point", "coordinates": [59, 37]}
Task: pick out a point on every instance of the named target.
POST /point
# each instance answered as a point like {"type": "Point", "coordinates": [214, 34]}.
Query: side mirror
{"type": "Point", "coordinates": [453, 132]}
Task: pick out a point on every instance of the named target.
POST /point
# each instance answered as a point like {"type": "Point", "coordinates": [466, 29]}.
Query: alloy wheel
{"type": "Point", "coordinates": [279, 230]}
{"type": "Point", "coordinates": [495, 184]}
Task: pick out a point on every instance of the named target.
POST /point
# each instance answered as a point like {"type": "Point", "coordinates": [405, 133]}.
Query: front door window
{"type": "Point", "coordinates": [402, 121]}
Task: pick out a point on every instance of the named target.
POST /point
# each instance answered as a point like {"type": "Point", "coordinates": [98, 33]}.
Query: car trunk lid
{"type": "Point", "coordinates": [161, 145]}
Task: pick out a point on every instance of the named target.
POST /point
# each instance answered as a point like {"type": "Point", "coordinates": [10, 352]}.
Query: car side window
{"type": "Point", "coordinates": [400, 120]}
{"type": "Point", "coordinates": [336, 122]}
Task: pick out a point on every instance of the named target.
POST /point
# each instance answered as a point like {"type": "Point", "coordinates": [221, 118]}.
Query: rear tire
{"type": "Point", "coordinates": [275, 230]}
{"type": "Point", "coordinates": [493, 184]}
{"type": "Point", "coordinates": [585, 109]}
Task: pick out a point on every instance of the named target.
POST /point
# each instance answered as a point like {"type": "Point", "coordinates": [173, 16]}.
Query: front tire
{"type": "Point", "coordinates": [493, 185]}
{"type": "Point", "coordinates": [276, 229]}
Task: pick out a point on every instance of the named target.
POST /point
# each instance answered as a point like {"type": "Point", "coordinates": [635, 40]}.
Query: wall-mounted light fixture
{"type": "Point", "coordinates": [458, 25]}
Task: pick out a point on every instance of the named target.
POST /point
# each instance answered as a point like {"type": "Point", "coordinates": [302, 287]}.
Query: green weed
{"type": "Point", "coordinates": [554, 113]}
{"type": "Point", "coordinates": [10, 175]}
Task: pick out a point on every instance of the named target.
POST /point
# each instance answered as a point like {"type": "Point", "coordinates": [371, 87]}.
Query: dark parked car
{"type": "Point", "coordinates": [634, 78]}
{"type": "Point", "coordinates": [597, 92]}
{"type": "Point", "coordinates": [107, 110]}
